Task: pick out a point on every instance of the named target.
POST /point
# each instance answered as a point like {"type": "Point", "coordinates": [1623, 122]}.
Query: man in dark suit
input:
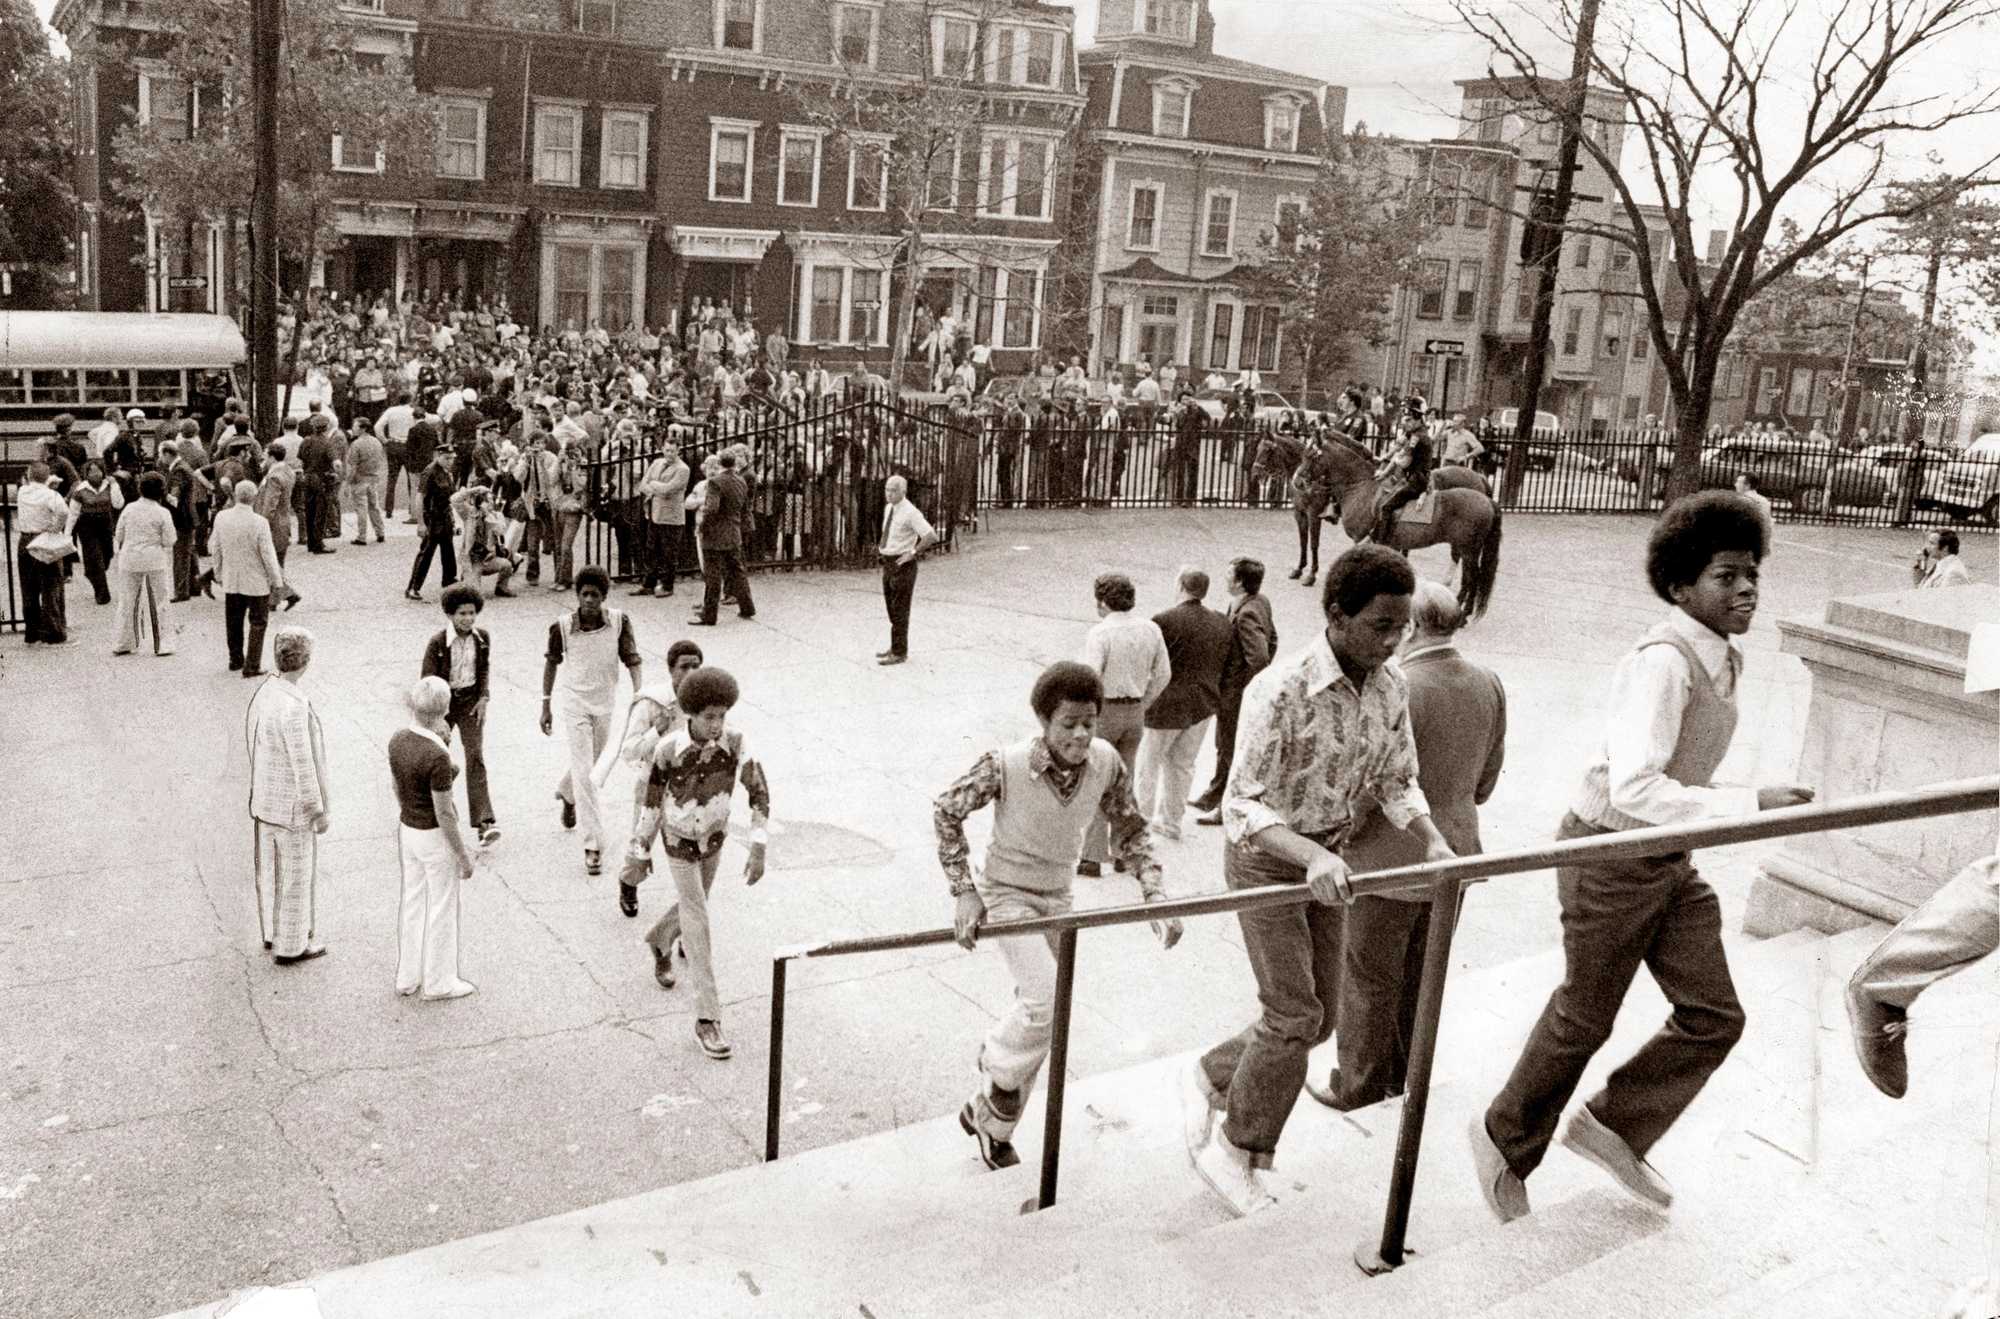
{"type": "Point", "coordinates": [723, 513]}
{"type": "Point", "coordinates": [1198, 644]}
{"type": "Point", "coordinates": [1253, 642]}
{"type": "Point", "coordinates": [1458, 715]}
{"type": "Point", "coordinates": [319, 479]}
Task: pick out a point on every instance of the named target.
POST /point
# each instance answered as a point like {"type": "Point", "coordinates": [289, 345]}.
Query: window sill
{"type": "Point", "coordinates": [1134, 247]}
{"type": "Point", "coordinates": [557, 183]}
{"type": "Point", "coordinates": [356, 169]}
{"type": "Point", "coordinates": [462, 178]}
{"type": "Point", "coordinates": [801, 206]}
{"type": "Point", "coordinates": [735, 201]}
{"type": "Point", "coordinates": [868, 210]}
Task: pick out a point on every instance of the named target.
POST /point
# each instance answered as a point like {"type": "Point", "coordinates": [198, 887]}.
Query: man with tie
{"type": "Point", "coordinates": [724, 508]}
{"type": "Point", "coordinates": [905, 535]}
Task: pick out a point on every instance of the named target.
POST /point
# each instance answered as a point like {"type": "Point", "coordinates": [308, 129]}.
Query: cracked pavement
{"type": "Point", "coordinates": [182, 1118]}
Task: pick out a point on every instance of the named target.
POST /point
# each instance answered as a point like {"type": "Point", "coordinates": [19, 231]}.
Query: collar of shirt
{"type": "Point", "coordinates": [1439, 648]}
{"type": "Point", "coordinates": [1715, 651]}
{"type": "Point", "coordinates": [1323, 669]}
{"type": "Point", "coordinates": [421, 731]}
{"type": "Point", "coordinates": [1043, 763]}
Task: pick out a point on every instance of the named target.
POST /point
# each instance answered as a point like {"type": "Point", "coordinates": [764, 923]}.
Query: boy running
{"type": "Point", "coordinates": [1673, 711]}
{"type": "Point", "coordinates": [1045, 791]}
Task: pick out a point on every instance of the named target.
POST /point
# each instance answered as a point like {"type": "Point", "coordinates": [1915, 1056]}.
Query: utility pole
{"type": "Point", "coordinates": [1853, 334]}
{"type": "Point", "coordinates": [266, 24]}
{"type": "Point", "coordinates": [1542, 245]}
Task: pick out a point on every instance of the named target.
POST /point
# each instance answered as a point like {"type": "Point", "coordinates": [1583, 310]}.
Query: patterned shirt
{"type": "Point", "coordinates": [982, 785]}
{"type": "Point", "coordinates": [689, 788]}
{"type": "Point", "coordinates": [1313, 752]}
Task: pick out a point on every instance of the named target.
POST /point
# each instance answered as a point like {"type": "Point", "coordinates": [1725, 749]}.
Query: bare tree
{"type": "Point", "coordinates": [1695, 82]}
{"type": "Point", "coordinates": [912, 124]}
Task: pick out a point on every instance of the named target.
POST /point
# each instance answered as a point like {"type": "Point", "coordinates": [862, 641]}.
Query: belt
{"type": "Point", "coordinates": [1122, 700]}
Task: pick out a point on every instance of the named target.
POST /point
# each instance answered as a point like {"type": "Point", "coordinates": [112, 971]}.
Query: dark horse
{"type": "Point", "coordinates": [1465, 518]}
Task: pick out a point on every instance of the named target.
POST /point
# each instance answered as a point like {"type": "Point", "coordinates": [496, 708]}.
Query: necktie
{"type": "Point", "coordinates": [887, 514]}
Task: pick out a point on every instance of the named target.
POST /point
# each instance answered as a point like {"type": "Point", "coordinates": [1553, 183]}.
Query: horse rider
{"type": "Point", "coordinates": [1406, 473]}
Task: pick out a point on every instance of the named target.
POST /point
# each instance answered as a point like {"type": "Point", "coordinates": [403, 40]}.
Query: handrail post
{"type": "Point", "coordinates": [774, 1095]}
{"type": "Point", "coordinates": [1388, 1254]}
{"type": "Point", "coordinates": [1058, 1067]}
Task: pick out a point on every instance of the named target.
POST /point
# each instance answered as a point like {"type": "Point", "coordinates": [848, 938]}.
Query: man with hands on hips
{"type": "Point", "coordinates": [1324, 737]}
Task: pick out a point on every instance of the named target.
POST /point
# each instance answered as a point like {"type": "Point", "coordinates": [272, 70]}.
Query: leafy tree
{"type": "Point", "coordinates": [37, 156]}
{"type": "Point", "coordinates": [191, 168]}
{"type": "Point", "coordinates": [1334, 265]}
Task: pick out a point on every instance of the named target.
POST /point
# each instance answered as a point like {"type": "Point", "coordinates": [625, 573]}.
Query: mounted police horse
{"type": "Point", "coordinates": [1462, 514]}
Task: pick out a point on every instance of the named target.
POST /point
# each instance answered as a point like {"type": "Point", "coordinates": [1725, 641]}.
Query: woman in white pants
{"type": "Point", "coordinates": [435, 856]}
{"type": "Point", "coordinates": [144, 548]}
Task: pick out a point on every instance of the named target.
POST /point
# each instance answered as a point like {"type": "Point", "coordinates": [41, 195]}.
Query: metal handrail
{"type": "Point", "coordinates": [1444, 881]}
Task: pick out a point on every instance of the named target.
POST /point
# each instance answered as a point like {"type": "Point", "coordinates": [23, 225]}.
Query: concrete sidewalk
{"type": "Point", "coordinates": [183, 1118]}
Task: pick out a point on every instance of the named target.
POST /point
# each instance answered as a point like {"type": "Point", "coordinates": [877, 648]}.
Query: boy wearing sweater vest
{"type": "Point", "coordinates": [1673, 710]}
{"type": "Point", "coordinates": [1045, 791]}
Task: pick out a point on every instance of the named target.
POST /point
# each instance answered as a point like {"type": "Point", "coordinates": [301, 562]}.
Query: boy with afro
{"type": "Point", "coordinates": [1673, 710]}
{"type": "Point", "coordinates": [696, 767]}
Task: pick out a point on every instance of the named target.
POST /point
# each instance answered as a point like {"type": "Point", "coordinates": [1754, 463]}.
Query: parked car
{"type": "Point", "coordinates": [1786, 469]}
{"type": "Point", "coordinates": [1269, 409]}
{"type": "Point", "coordinates": [1545, 441]}
{"type": "Point", "coordinates": [1969, 484]}
{"type": "Point", "coordinates": [1870, 478]}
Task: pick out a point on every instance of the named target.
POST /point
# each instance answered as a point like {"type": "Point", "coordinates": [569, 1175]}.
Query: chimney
{"type": "Point", "coordinates": [1333, 112]}
{"type": "Point", "coordinates": [1204, 29]}
{"type": "Point", "coordinates": [1718, 243]}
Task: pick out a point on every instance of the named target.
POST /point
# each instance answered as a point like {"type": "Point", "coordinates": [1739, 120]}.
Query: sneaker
{"type": "Point", "coordinates": [1878, 1031]}
{"type": "Point", "coordinates": [465, 988]}
{"type": "Point", "coordinates": [1197, 1109]}
{"type": "Point", "coordinates": [663, 969]}
{"type": "Point", "coordinates": [568, 814]}
{"type": "Point", "coordinates": [1607, 1149]}
{"type": "Point", "coordinates": [1506, 1195]}
{"type": "Point", "coordinates": [709, 1035]}
{"type": "Point", "coordinates": [1209, 819]}
{"type": "Point", "coordinates": [996, 1152]}
{"type": "Point", "coordinates": [1228, 1173]}
{"type": "Point", "coordinates": [489, 834]}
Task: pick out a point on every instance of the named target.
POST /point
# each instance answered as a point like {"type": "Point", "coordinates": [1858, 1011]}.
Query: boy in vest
{"type": "Point", "coordinates": [586, 646]}
{"type": "Point", "coordinates": [654, 713]}
{"type": "Point", "coordinates": [1044, 791]}
{"type": "Point", "coordinates": [695, 769]}
{"type": "Point", "coordinates": [1673, 710]}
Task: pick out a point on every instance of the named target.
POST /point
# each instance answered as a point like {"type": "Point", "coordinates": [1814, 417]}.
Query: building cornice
{"type": "Point", "coordinates": [1174, 147]}
{"type": "Point", "coordinates": [775, 73]}
{"type": "Point", "coordinates": [1194, 66]}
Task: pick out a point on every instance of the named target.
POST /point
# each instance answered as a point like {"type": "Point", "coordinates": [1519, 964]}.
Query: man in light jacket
{"type": "Point", "coordinates": [246, 565]}
{"type": "Point", "coordinates": [665, 487]}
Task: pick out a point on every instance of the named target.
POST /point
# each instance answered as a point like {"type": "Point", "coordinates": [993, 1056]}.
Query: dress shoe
{"type": "Point", "coordinates": [663, 969]}
{"type": "Point", "coordinates": [489, 834]}
{"type": "Point", "coordinates": [893, 659]}
{"type": "Point", "coordinates": [1607, 1149]}
{"type": "Point", "coordinates": [996, 1152]}
{"type": "Point", "coordinates": [1090, 869]}
{"type": "Point", "coordinates": [708, 1034]}
{"type": "Point", "coordinates": [1209, 818]}
{"type": "Point", "coordinates": [464, 989]}
{"type": "Point", "coordinates": [179, 599]}
{"type": "Point", "coordinates": [698, 621]}
{"type": "Point", "coordinates": [1294, 573]}
{"type": "Point", "coordinates": [236, 666]}
{"type": "Point", "coordinates": [628, 899]}
{"type": "Point", "coordinates": [505, 594]}
{"type": "Point", "coordinates": [1505, 1193]}
{"type": "Point", "coordinates": [412, 594]}
{"type": "Point", "coordinates": [568, 814]}
{"type": "Point", "coordinates": [884, 654]}
{"type": "Point", "coordinates": [253, 673]}
{"type": "Point", "coordinates": [747, 615]}
{"type": "Point", "coordinates": [357, 542]}
{"type": "Point", "coordinates": [324, 549]}
{"type": "Point", "coordinates": [292, 600]}
{"type": "Point", "coordinates": [1308, 579]}
{"type": "Point", "coordinates": [378, 540]}
{"type": "Point", "coordinates": [1879, 1030]}
{"type": "Point", "coordinates": [306, 956]}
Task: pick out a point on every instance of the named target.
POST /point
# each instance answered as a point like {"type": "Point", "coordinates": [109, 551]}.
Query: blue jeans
{"type": "Point", "coordinates": [1295, 953]}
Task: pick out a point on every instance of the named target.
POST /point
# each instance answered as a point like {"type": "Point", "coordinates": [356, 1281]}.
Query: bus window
{"type": "Point", "coordinates": [107, 386]}
{"type": "Point", "coordinates": [52, 385]}
{"type": "Point", "coordinates": [159, 386]}
{"type": "Point", "coordinates": [13, 385]}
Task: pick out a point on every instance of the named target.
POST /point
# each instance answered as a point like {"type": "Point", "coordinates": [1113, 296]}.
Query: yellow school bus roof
{"type": "Point", "coordinates": [118, 338]}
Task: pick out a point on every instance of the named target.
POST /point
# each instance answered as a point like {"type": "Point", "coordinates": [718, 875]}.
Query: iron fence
{"type": "Point", "coordinates": [13, 616]}
{"type": "Point", "coordinates": [815, 480]}
{"type": "Point", "coordinates": [1065, 463]}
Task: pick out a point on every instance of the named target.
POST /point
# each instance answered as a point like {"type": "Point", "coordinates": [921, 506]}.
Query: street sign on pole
{"type": "Point", "coordinates": [1445, 347]}
{"type": "Point", "coordinates": [187, 281]}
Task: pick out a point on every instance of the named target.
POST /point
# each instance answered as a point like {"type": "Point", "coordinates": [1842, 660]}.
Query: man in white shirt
{"type": "Point", "coordinates": [1461, 446]}
{"type": "Point", "coordinates": [41, 512]}
{"type": "Point", "coordinates": [1939, 564]}
{"type": "Point", "coordinates": [905, 535]}
{"type": "Point", "coordinates": [394, 429]}
{"type": "Point", "coordinates": [104, 432]}
{"type": "Point", "coordinates": [1130, 656]}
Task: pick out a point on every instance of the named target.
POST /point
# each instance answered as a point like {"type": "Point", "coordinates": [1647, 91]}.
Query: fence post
{"type": "Point", "coordinates": [774, 1093]}
{"type": "Point", "coordinates": [1058, 1068]}
{"type": "Point", "coordinates": [1388, 1253]}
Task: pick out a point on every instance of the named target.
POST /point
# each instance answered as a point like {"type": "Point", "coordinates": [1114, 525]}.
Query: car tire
{"type": "Point", "coordinates": [1990, 510]}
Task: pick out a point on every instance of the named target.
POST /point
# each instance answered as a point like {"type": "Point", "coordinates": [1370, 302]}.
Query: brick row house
{"type": "Point", "coordinates": [1193, 156]}
{"type": "Point", "coordinates": [615, 161]}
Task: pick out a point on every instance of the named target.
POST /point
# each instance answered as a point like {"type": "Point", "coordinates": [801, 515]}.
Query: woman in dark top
{"type": "Point", "coordinates": [435, 856]}
{"type": "Point", "coordinates": [96, 499]}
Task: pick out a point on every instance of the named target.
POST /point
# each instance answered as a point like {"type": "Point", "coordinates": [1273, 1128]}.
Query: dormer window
{"type": "Point", "coordinates": [1173, 105]}
{"type": "Point", "coordinates": [1173, 19]}
{"type": "Point", "coordinates": [1281, 122]}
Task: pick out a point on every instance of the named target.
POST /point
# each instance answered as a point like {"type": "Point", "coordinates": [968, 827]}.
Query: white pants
{"type": "Point", "coordinates": [1018, 1044]}
{"type": "Point", "coordinates": [427, 925]}
{"type": "Point", "coordinates": [142, 610]}
{"type": "Point", "coordinates": [1166, 769]}
{"type": "Point", "coordinates": [586, 734]}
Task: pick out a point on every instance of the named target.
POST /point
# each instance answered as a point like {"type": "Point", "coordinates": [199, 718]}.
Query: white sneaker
{"type": "Point", "coordinates": [1228, 1173]}
{"type": "Point", "coordinates": [1197, 1113]}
